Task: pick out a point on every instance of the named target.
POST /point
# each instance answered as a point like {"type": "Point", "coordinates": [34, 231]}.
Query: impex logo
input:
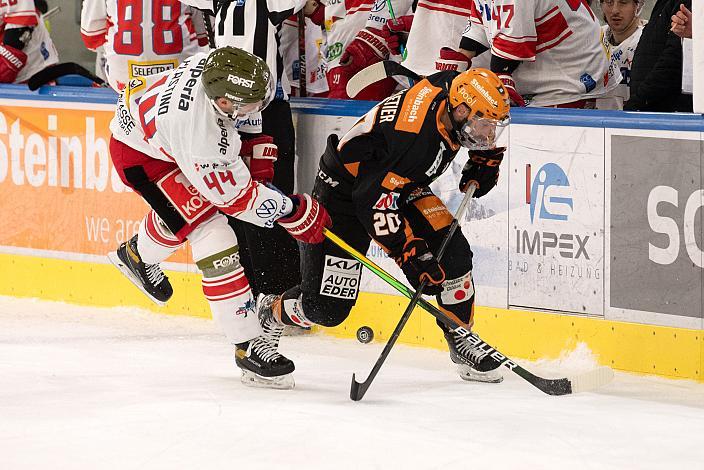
{"type": "Point", "coordinates": [549, 193]}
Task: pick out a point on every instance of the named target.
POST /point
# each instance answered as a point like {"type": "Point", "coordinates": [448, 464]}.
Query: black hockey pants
{"type": "Point", "coordinates": [330, 277]}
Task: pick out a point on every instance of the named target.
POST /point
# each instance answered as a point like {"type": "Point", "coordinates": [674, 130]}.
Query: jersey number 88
{"type": "Point", "coordinates": [166, 32]}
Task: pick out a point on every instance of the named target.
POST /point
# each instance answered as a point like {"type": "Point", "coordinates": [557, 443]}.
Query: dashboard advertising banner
{"type": "Point", "coordinates": [61, 196]}
{"type": "Point", "coordinates": [556, 223]}
{"type": "Point", "coordinates": [656, 225]}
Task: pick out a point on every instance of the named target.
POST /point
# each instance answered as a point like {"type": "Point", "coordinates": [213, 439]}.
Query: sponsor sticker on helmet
{"type": "Point", "coordinates": [235, 80]}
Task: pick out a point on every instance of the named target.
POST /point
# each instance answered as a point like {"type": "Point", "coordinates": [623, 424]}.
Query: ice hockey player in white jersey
{"type": "Point", "coordinates": [546, 52]}
{"type": "Point", "coordinates": [175, 143]}
{"type": "Point", "coordinates": [315, 66]}
{"type": "Point", "coordinates": [26, 47]}
{"type": "Point", "coordinates": [141, 37]}
{"type": "Point", "coordinates": [357, 37]}
{"type": "Point", "coordinates": [621, 35]}
{"type": "Point", "coordinates": [436, 32]}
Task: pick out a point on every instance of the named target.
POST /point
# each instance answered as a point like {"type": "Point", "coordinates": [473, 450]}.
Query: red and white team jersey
{"type": "Point", "coordinates": [436, 24]}
{"type": "Point", "coordinates": [558, 41]}
{"type": "Point", "coordinates": [316, 67]}
{"type": "Point", "coordinates": [345, 18]}
{"type": "Point", "coordinates": [141, 37]}
{"type": "Point", "coordinates": [40, 50]}
{"type": "Point", "coordinates": [169, 117]}
{"type": "Point", "coordinates": [621, 60]}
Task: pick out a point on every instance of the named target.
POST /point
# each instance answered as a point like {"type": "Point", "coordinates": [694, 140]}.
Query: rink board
{"type": "Point", "coordinates": [581, 241]}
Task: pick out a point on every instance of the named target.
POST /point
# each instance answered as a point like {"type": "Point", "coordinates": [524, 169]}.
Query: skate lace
{"type": "Point", "coordinates": [268, 344]}
{"type": "Point", "coordinates": [466, 349]}
{"type": "Point", "coordinates": [154, 273]}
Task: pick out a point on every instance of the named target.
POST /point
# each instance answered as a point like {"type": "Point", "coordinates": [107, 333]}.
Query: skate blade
{"type": "Point", "coordinates": [591, 380]}
{"type": "Point", "coordinates": [471, 375]}
{"type": "Point", "coordinates": [114, 259]}
{"type": "Point", "coordinates": [281, 382]}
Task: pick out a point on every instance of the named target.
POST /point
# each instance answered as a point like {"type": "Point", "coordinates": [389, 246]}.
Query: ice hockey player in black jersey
{"type": "Point", "coordinates": [374, 182]}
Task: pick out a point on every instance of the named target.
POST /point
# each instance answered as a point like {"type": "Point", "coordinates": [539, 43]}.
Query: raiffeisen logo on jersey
{"type": "Point", "coordinates": [549, 193]}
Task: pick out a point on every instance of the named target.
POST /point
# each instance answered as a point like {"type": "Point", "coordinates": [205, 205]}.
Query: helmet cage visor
{"type": "Point", "coordinates": [243, 107]}
{"type": "Point", "coordinates": [478, 133]}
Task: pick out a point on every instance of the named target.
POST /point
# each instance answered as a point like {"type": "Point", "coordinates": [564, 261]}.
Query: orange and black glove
{"type": "Point", "coordinates": [418, 263]}
{"type": "Point", "coordinates": [482, 168]}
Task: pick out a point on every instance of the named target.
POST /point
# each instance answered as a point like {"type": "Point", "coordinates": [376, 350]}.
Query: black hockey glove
{"type": "Point", "coordinates": [418, 263]}
{"type": "Point", "coordinates": [482, 168]}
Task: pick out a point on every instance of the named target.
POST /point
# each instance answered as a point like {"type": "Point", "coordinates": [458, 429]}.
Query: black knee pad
{"type": "Point", "coordinates": [457, 259]}
{"type": "Point", "coordinates": [326, 311]}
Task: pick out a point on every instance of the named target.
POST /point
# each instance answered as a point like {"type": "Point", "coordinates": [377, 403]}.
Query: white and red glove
{"type": "Point", "coordinates": [259, 154]}
{"type": "Point", "coordinates": [395, 30]}
{"type": "Point", "coordinates": [368, 47]}
{"type": "Point", "coordinates": [11, 62]}
{"type": "Point", "coordinates": [510, 85]}
{"type": "Point", "coordinates": [307, 221]}
{"type": "Point", "coordinates": [315, 11]}
{"type": "Point", "coordinates": [451, 59]}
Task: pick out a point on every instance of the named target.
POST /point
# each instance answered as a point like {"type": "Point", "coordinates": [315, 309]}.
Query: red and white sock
{"type": "Point", "coordinates": [155, 242]}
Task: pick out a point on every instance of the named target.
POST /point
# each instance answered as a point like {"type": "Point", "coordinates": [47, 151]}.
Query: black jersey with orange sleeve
{"type": "Point", "coordinates": [398, 146]}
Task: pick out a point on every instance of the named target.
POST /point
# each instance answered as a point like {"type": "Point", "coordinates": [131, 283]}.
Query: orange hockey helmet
{"type": "Point", "coordinates": [488, 102]}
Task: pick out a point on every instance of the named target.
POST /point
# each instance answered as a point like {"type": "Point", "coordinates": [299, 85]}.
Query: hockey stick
{"type": "Point", "coordinates": [564, 386]}
{"type": "Point", "coordinates": [302, 92]}
{"type": "Point", "coordinates": [375, 73]}
{"type": "Point", "coordinates": [205, 16]}
{"type": "Point", "coordinates": [52, 72]}
{"type": "Point", "coordinates": [358, 389]}
{"type": "Point", "coordinates": [392, 14]}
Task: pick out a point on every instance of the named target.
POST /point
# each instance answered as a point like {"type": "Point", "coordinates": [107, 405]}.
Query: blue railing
{"type": "Point", "coordinates": [319, 106]}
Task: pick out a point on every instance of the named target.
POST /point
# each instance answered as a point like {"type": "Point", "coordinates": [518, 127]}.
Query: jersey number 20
{"type": "Point", "coordinates": [166, 31]}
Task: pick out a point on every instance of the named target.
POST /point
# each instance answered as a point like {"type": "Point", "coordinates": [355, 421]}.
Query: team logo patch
{"type": "Point", "coordinates": [341, 278]}
{"type": "Point", "coordinates": [387, 202]}
{"type": "Point", "coordinates": [247, 308]}
{"type": "Point", "coordinates": [267, 208]}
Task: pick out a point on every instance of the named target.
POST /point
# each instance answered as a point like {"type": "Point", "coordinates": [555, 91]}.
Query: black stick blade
{"type": "Point", "coordinates": [357, 390]}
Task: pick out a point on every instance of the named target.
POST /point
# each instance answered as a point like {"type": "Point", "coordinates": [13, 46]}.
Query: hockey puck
{"type": "Point", "coordinates": [365, 334]}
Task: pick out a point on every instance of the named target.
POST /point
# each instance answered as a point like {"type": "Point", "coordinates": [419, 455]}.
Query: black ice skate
{"type": "Point", "coordinates": [261, 363]}
{"type": "Point", "coordinates": [473, 364]}
{"type": "Point", "coordinates": [149, 278]}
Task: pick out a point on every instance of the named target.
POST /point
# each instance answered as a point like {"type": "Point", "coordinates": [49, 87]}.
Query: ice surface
{"type": "Point", "coordinates": [88, 388]}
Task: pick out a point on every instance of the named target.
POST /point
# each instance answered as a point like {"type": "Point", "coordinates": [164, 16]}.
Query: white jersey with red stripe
{"type": "Point", "coordinates": [436, 24]}
{"type": "Point", "coordinates": [40, 49]}
{"type": "Point", "coordinates": [169, 117]}
{"type": "Point", "coordinates": [621, 59]}
{"type": "Point", "coordinates": [558, 42]}
{"type": "Point", "coordinates": [345, 18]}
{"type": "Point", "coordinates": [316, 67]}
{"type": "Point", "coordinates": [140, 37]}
